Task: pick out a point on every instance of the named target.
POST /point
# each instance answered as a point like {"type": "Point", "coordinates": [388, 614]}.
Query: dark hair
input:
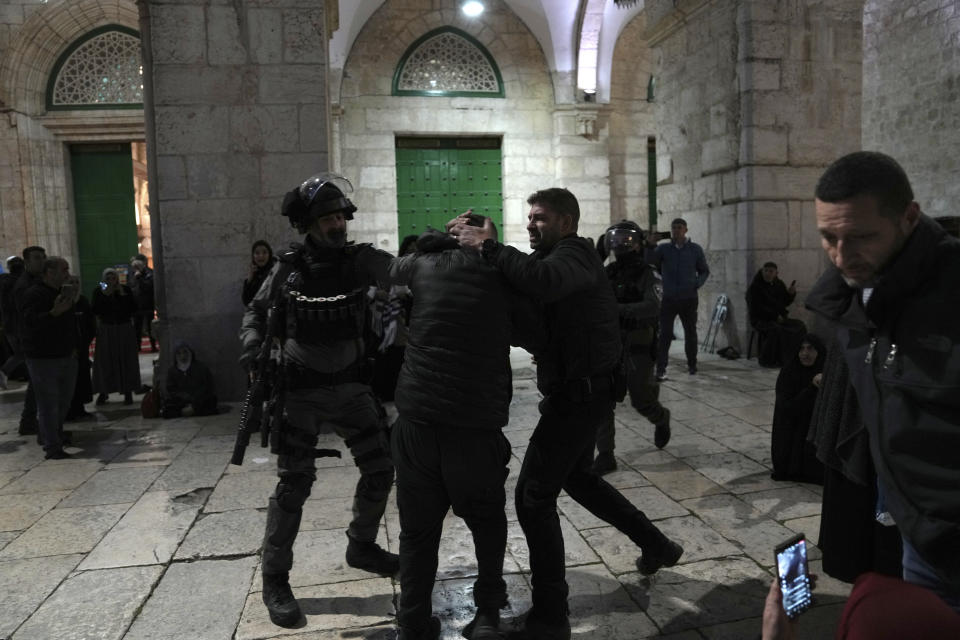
{"type": "Point", "coordinates": [407, 245]}
{"type": "Point", "coordinates": [867, 173]}
{"type": "Point", "coordinates": [770, 264]}
{"type": "Point", "coordinates": [29, 250]}
{"type": "Point", "coordinates": [558, 200]}
{"type": "Point", "coordinates": [265, 245]}
{"type": "Point", "coordinates": [679, 221]}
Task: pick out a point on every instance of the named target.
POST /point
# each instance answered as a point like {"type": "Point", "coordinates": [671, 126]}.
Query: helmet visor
{"type": "Point", "coordinates": [622, 240]}
{"type": "Point", "coordinates": [310, 187]}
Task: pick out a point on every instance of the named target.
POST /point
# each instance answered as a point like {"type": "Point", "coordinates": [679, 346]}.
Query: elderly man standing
{"type": "Point", "coordinates": [684, 270]}
{"type": "Point", "coordinates": [49, 339]}
{"type": "Point", "coordinates": [892, 291]}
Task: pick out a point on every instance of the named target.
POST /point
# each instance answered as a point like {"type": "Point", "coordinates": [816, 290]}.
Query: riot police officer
{"type": "Point", "coordinates": [637, 288]}
{"type": "Point", "coordinates": [318, 289]}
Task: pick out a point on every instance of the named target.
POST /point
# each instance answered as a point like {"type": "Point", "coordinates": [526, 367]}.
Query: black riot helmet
{"type": "Point", "coordinates": [318, 196]}
{"type": "Point", "coordinates": [623, 237]}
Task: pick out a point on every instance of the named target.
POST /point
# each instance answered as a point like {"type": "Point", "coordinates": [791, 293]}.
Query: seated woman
{"type": "Point", "coordinates": [793, 457]}
{"type": "Point", "coordinates": [189, 383]}
{"type": "Point", "coordinates": [767, 302]}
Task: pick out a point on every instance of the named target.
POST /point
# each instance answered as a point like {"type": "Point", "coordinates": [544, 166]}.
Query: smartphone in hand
{"type": "Point", "coordinates": [68, 291]}
{"type": "Point", "coordinates": [794, 576]}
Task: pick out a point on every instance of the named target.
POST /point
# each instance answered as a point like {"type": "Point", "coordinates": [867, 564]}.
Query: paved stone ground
{"type": "Point", "coordinates": [149, 533]}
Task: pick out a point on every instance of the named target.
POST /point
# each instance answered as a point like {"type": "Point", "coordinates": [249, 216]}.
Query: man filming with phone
{"type": "Point", "coordinates": [48, 337]}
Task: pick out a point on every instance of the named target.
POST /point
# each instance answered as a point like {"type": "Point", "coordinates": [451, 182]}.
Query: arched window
{"type": "Point", "coordinates": [101, 70]}
{"type": "Point", "coordinates": [447, 62]}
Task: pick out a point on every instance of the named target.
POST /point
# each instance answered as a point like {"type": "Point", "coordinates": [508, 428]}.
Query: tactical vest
{"type": "Point", "coordinates": [322, 297]}
{"type": "Point", "coordinates": [624, 279]}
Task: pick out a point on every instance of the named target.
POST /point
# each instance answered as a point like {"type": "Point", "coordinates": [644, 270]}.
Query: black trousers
{"type": "Point", "coordinates": [644, 397]}
{"type": "Point", "coordinates": [559, 456]}
{"type": "Point", "coordinates": [669, 310]}
{"type": "Point", "coordinates": [142, 320]}
{"type": "Point", "coordinates": [439, 467]}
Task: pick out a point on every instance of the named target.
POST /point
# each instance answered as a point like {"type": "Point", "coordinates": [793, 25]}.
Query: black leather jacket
{"type": "Point", "coordinates": [903, 351]}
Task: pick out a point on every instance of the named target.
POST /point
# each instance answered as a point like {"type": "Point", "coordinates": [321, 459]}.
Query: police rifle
{"type": "Point", "coordinates": [252, 413]}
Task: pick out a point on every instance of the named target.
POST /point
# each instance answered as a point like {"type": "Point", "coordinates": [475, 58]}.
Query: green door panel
{"type": "Point", "coordinates": [104, 204]}
{"type": "Point", "coordinates": [436, 184]}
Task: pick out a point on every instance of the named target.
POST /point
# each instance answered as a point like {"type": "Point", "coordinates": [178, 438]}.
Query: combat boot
{"type": "Point", "coordinates": [604, 463]}
{"type": "Point", "coordinates": [661, 433]}
{"type": "Point", "coordinates": [484, 626]}
{"type": "Point", "coordinates": [369, 556]}
{"type": "Point", "coordinates": [278, 597]}
{"type": "Point", "coordinates": [666, 554]}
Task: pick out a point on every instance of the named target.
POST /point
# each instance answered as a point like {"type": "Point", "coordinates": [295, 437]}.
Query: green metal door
{"type": "Point", "coordinates": [438, 178]}
{"type": "Point", "coordinates": [104, 203]}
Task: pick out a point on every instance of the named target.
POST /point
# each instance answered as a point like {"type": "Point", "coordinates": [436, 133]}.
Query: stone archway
{"type": "Point", "coordinates": [32, 210]}
{"type": "Point", "coordinates": [43, 37]}
{"type": "Point", "coordinates": [367, 117]}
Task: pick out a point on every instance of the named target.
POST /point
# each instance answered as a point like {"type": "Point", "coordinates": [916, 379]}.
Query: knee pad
{"type": "Point", "coordinates": [379, 482]}
{"type": "Point", "coordinates": [292, 491]}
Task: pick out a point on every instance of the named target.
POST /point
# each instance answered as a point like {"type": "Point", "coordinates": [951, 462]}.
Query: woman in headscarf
{"type": "Point", "coordinates": [793, 457]}
{"type": "Point", "coordinates": [116, 366]}
{"type": "Point", "coordinates": [261, 261]}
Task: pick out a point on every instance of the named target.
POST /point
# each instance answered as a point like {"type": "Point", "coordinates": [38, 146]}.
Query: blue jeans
{"type": "Point", "coordinates": [917, 571]}
{"type": "Point", "coordinates": [53, 380]}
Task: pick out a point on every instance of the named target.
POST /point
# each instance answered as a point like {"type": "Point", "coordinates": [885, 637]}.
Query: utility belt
{"type": "Point", "coordinates": [298, 377]}
{"type": "Point", "coordinates": [587, 389]}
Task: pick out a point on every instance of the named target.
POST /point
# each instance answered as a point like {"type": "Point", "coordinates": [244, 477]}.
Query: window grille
{"type": "Point", "coordinates": [101, 70]}
{"type": "Point", "coordinates": [448, 62]}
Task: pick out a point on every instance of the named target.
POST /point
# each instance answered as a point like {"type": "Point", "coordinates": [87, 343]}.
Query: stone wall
{"type": "Point", "coordinates": [754, 98]}
{"type": "Point", "coordinates": [800, 81]}
{"type": "Point", "coordinates": [698, 134]}
{"type": "Point", "coordinates": [370, 117]}
{"type": "Point", "coordinates": [911, 94]}
{"type": "Point", "coordinates": [240, 118]}
{"type": "Point", "coordinates": [632, 121]}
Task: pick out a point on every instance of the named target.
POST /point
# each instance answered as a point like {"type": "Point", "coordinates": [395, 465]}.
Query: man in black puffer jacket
{"type": "Point", "coordinates": [453, 398]}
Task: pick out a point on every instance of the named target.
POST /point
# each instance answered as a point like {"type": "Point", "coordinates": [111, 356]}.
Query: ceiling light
{"type": "Point", "coordinates": [472, 9]}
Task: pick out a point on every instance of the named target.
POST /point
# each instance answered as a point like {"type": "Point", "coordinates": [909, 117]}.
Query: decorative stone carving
{"type": "Point", "coordinates": [446, 63]}
{"type": "Point", "coordinates": [104, 70]}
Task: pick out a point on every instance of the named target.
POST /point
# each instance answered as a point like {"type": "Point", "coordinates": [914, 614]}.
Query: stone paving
{"type": "Point", "coordinates": [149, 533]}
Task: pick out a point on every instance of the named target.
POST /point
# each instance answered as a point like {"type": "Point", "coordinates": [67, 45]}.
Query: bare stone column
{"type": "Point", "coordinates": [239, 116]}
{"type": "Point", "coordinates": [755, 98]}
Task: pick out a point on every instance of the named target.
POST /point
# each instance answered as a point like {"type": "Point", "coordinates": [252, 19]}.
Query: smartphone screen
{"type": "Point", "coordinates": [794, 577]}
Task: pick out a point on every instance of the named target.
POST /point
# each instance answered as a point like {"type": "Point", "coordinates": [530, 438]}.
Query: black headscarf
{"type": "Point", "coordinates": [252, 285]}
{"type": "Point", "coordinates": [794, 374]}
